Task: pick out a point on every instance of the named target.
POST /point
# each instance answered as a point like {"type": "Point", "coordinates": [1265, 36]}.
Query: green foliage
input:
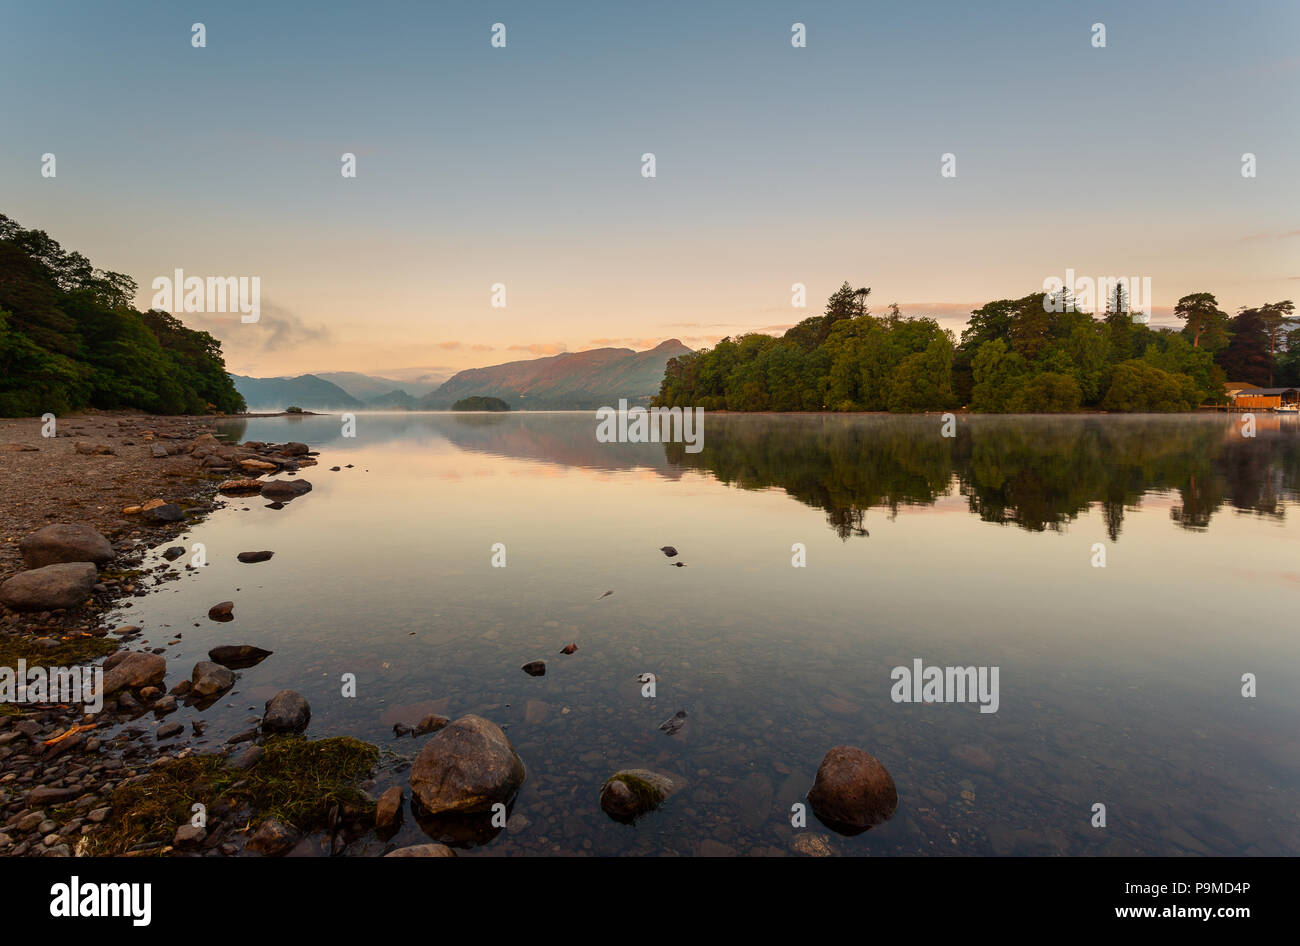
{"type": "Point", "coordinates": [1029, 355]}
{"type": "Point", "coordinates": [1137, 386]}
{"type": "Point", "coordinates": [845, 360]}
{"type": "Point", "coordinates": [69, 339]}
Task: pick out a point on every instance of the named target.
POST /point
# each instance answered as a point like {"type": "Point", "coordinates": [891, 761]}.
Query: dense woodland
{"type": "Point", "coordinates": [70, 339]}
{"type": "Point", "coordinates": [1016, 355]}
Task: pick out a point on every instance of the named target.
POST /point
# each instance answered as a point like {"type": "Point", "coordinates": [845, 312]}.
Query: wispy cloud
{"type": "Point", "coordinates": [541, 348]}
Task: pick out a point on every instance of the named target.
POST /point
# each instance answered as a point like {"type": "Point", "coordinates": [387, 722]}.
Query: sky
{"type": "Point", "coordinates": [522, 166]}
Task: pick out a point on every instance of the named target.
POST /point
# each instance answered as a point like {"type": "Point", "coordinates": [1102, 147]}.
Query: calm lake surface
{"type": "Point", "coordinates": [1119, 685]}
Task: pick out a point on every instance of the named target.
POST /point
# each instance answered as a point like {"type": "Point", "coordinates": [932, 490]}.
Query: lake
{"type": "Point", "coordinates": [1118, 685]}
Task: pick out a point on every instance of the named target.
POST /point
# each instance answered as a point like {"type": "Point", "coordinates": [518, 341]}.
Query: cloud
{"type": "Point", "coordinates": [277, 330]}
{"type": "Point", "coordinates": [1279, 235]}
{"type": "Point", "coordinates": [541, 348]}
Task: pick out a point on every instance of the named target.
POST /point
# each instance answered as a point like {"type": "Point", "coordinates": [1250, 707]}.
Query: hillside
{"type": "Point", "coordinates": [70, 338]}
{"type": "Point", "coordinates": [367, 387]}
{"type": "Point", "coordinates": [306, 391]}
{"type": "Point", "coordinates": [583, 380]}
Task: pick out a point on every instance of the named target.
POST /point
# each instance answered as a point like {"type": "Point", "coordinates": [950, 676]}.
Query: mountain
{"type": "Point", "coordinates": [367, 387]}
{"type": "Point", "coordinates": [306, 391]}
{"type": "Point", "coordinates": [583, 380]}
{"type": "Point", "coordinates": [393, 401]}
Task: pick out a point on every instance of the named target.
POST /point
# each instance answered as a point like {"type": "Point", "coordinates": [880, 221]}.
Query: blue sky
{"type": "Point", "coordinates": [521, 165]}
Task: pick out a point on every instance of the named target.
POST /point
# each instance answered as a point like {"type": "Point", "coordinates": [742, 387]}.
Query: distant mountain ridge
{"type": "Point", "coordinates": [306, 391]}
{"type": "Point", "coordinates": [583, 380]}
{"type": "Point", "coordinates": [574, 380]}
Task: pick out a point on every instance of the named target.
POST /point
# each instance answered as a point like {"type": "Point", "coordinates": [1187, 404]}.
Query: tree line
{"type": "Point", "coordinates": [1034, 354]}
{"type": "Point", "coordinates": [70, 339]}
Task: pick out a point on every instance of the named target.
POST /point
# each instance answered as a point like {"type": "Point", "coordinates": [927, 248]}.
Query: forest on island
{"type": "Point", "coordinates": [70, 338]}
{"type": "Point", "coordinates": [1035, 354]}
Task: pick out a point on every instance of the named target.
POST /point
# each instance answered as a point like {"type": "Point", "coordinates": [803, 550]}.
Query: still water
{"type": "Point", "coordinates": [1119, 685]}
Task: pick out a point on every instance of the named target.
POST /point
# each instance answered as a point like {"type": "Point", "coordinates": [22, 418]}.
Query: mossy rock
{"type": "Point", "coordinates": [631, 793]}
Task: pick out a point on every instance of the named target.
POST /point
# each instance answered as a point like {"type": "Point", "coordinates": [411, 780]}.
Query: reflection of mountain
{"type": "Point", "coordinates": [1036, 472]}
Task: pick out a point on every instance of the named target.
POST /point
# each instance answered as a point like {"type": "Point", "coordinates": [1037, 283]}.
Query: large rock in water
{"type": "Point", "coordinates": [210, 679]}
{"type": "Point", "coordinates": [467, 767]}
{"type": "Point", "coordinates": [136, 669]}
{"type": "Point", "coordinates": [65, 542]}
{"type": "Point", "coordinates": [852, 791]}
{"type": "Point", "coordinates": [287, 711]}
{"type": "Point", "coordinates": [51, 587]}
{"type": "Point", "coordinates": [282, 490]}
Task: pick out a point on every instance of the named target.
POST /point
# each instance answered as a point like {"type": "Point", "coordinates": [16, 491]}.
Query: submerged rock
{"type": "Point", "coordinates": [287, 711]}
{"type": "Point", "coordinates": [569, 649]}
{"type": "Point", "coordinates": [535, 668]}
{"type": "Point", "coordinates": [465, 768]}
{"type": "Point", "coordinates": [668, 550]}
{"type": "Point", "coordinates": [250, 558]}
{"type": "Point", "coordinates": [51, 587]}
{"type": "Point", "coordinates": [238, 656]}
{"type": "Point", "coordinates": [852, 791]}
{"type": "Point", "coordinates": [630, 793]}
{"type": "Point", "coordinates": [65, 542]}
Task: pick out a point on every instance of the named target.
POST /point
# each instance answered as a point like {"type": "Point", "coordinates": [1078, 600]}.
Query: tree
{"type": "Point", "coordinates": [1246, 357]}
{"type": "Point", "coordinates": [1201, 312]}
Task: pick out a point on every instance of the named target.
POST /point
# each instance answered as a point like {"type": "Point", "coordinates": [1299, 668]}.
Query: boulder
{"type": "Point", "coordinates": [535, 668]}
{"type": "Point", "coordinates": [466, 767]}
{"type": "Point", "coordinates": [210, 679]}
{"type": "Point", "coordinates": [630, 793]}
{"type": "Point", "coordinates": [287, 711]}
{"type": "Point", "coordinates": [283, 490]}
{"type": "Point", "coordinates": [852, 791]}
{"type": "Point", "coordinates": [50, 587]}
{"type": "Point", "coordinates": [295, 449]}
{"type": "Point", "coordinates": [65, 542]}
{"type": "Point", "coordinates": [251, 558]}
{"type": "Point", "coordinates": [136, 669]}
